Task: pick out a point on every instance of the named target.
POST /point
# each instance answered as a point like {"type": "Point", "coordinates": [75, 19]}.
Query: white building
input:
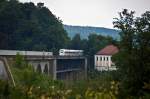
{"type": "Point", "coordinates": [103, 57]}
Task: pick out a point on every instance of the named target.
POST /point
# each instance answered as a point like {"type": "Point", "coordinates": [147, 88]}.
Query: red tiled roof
{"type": "Point", "coordinates": [108, 50]}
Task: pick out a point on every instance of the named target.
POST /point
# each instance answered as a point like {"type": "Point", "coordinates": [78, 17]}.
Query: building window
{"type": "Point", "coordinates": [97, 58]}
{"type": "Point", "coordinates": [107, 58]}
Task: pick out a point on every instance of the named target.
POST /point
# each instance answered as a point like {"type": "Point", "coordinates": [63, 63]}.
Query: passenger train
{"type": "Point", "coordinates": [69, 52]}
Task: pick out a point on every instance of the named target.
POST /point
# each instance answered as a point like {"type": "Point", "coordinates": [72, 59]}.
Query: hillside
{"type": "Point", "coordinates": [27, 26]}
{"type": "Point", "coordinates": [86, 30]}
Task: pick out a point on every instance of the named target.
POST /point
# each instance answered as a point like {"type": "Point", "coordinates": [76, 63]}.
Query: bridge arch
{"type": "Point", "coordinates": [39, 68]}
{"type": "Point", "coordinates": [46, 69]}
{"type": "Point", "coordinates": [3, 73]}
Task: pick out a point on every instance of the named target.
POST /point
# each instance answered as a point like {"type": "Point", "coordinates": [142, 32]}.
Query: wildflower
{"type": "Point", "coordinates": [68, 92]}
{"type": "Point", "coordinates": [112, 82]}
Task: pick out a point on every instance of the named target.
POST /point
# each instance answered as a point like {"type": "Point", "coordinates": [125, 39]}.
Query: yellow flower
{"type": "Point", "coordinates": [146, 85]}
{"type": "Point", "coordinates": [78, 96]}
{"type": "Point", "coordinates": [68, 92]}
{"type": "Point", "coordinates": [30, 90]}
{"type": "Point", "coordinates": [112, 82]}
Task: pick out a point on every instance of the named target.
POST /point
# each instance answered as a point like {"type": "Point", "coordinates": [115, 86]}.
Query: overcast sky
{"type": "Point", "coordinates": [92, 12]}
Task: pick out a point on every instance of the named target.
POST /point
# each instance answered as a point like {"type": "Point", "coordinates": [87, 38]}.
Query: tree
{"type": "Point", "coordinates": [133, 58]}
{"type": "Point", "coordinates": [76, 42]}
{"type": "Point", "coordinates": [40, 5]}
{"type": "Point", "coordinates": [19, 61]}
{"type": "Point", "coordinates": [94, 44]}
{"type": "Point", "coordinates": [9, 15]}
{"type": "Point", "coordinates": [25, 26]}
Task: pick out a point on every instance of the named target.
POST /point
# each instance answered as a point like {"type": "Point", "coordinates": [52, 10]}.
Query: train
{"type": "Point", "coordinates": [62, 52]}
{"type": "Point", "coordinates": [70, 52]}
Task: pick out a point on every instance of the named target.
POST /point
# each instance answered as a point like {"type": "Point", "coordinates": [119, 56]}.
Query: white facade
{"type": "Point", "coordinates": [104, 62]}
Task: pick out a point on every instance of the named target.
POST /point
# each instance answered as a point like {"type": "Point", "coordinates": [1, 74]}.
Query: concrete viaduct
{"type": "Point", "coordinates": [58, 67]}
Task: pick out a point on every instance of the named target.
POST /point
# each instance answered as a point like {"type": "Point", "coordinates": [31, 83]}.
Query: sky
{"type": "Point", "coordinates": [99, 13]}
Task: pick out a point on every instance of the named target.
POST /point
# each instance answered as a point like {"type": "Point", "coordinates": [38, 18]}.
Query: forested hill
{"type": "Point", "coordinates": [29, 26]}
{"type": "Point", "coordinates": [85, 31]}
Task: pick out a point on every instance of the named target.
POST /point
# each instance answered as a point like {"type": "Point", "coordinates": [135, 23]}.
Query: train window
{"type": "Point", "coordinates": [71, 52]}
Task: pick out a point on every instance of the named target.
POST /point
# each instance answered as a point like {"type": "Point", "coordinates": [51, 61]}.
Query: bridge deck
{"type": "Point", "coordinates": [53, 57]}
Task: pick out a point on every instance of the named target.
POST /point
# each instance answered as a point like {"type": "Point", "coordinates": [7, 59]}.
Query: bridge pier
{"type": "Point", "coordinates": [55, 69]}
{"type": "Point", "coordinates": [85, 68]}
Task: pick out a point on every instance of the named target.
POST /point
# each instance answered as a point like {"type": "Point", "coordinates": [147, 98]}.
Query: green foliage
{"type": "Point", "coordinates": [91, 46]}
{"type": "Point", "coordinates": [99, 85]}
{"type": "Point", "coordinates": [4, 90]}
{"type": "Point", "coordinates": [94, 44]}
{"type": "Point", "coordinates": [25, 75]}
{"type": "Point", "coordinates": [76, 42]}
{"type": "Point", "coordinates": [97, 42]}
{"type": "Point", "coordinates": [19, 61]}
{"type": "Point", "coordinates": [26, 26]}
{"type": "Point", "coordinates": [34, 85]}
{"type": "Point", "coordinates": [133, 59]}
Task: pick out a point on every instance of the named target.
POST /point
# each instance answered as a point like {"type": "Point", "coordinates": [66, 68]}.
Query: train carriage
{"type": "Point", "coordinates": [70, 52]}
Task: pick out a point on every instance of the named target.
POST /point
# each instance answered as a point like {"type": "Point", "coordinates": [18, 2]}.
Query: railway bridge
{"type": "Point", "coordinates": [58, 67]}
